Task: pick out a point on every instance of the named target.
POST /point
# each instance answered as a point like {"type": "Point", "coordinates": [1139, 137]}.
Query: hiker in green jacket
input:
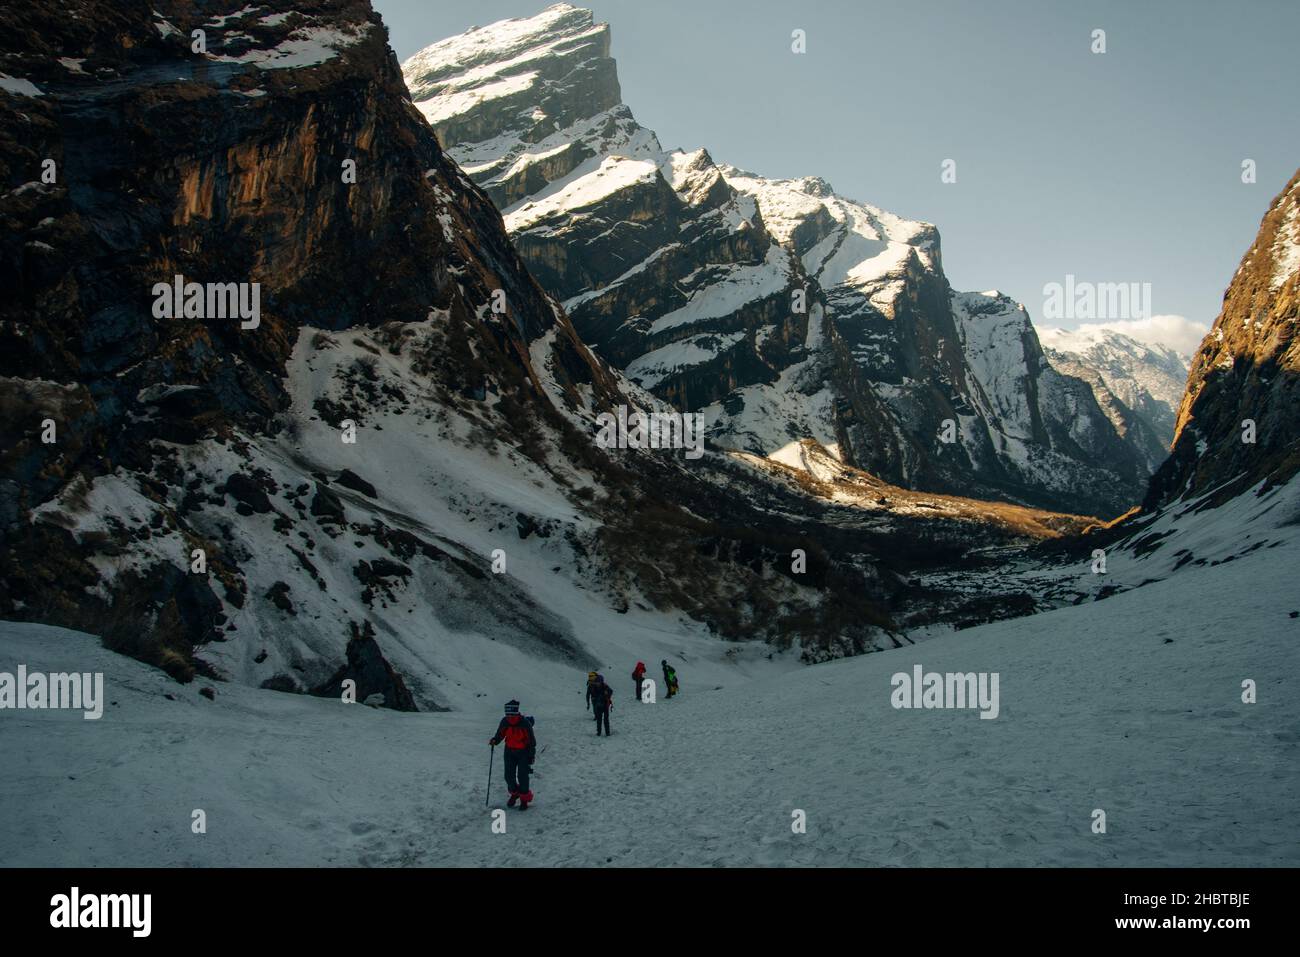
{"type": "Point", "coordinates": [670, 678]}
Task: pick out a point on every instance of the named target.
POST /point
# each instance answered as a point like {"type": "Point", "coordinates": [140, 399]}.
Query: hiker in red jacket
{"type": "Point", "coordinates": [521, 751]}
{"type": "Point", "coordinates": [638, 676]}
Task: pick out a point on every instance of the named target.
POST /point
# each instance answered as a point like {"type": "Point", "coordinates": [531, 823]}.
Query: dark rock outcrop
{"type": "Point", "coordinates": [247, 491]}
{"type": "Point", "coordinates": [278, 595]}
{"type": "Point", "coordinates": [350, 479]}
{"type": "Point", "coordinates": [326, 505]}
{"type": "Point", "coordinates": [371, 672]}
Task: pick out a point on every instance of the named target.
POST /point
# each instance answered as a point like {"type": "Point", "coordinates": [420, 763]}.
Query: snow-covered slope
{"type": "Point", "coordinates": [316, 551]}
{"type": "Point", "coordinates": [1132, 705]}
{"type": "Point", "coordinates": [778, 308]}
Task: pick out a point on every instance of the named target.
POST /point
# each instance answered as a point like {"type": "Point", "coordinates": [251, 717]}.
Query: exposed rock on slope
{"type": "Point", "coordinates": [230, 167]}
{"type": "Point", "coordinates": [1244, 379]}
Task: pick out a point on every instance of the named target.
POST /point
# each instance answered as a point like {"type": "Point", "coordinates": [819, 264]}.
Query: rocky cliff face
{"type": "Point", "coordinates": [778, 308]}
{"type": "Point", "coordinates": [252, 147]}
{"type": "Point", "coordinates": [1041, 422]}
{"type": "Point", "coordinates": [1237, 420]}
{"type": "Point", "coordinates": [233, 166]}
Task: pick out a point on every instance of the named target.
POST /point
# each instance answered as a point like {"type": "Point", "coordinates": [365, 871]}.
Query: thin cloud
{"type": "Point", "coordinates": [1175, 332]}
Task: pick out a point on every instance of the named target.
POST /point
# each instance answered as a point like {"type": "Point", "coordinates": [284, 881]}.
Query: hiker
{"type": "Point", "coordinates": [521, 751]}
{"type": "Point", "coordinates": [670, 678]}
{"type": "Point", "coordinates": [638, 675]}
{"type": "Point", "coordinates": [602, 699]}
{"type": "Point", "coordinates": [591, 680]}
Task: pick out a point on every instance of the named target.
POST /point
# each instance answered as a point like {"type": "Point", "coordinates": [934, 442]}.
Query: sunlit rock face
{"type": "Point", "coordinates": [778, 308]}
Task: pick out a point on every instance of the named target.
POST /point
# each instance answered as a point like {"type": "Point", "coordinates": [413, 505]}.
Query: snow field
{"type": "Point", "coordinates": [1130, 705]}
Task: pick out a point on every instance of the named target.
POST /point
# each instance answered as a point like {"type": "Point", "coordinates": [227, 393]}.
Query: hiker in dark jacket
{"type": "Point", "coordinates": [670, 678]}
{"type": "Point", "coordinates": [521, 751]}
{"type": "Point", "coordinates": [591, 680]}
{"type": "Point", "coordinates": [638, 675]}
{"type": "Point", "coordinates": [602, 699]}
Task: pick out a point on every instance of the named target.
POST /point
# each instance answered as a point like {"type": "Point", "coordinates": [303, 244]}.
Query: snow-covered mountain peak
{"type": "Point", "coordinates": [778, 308]}
{"type": "Point", "coordinates": [538, 75]}
{"type": "Point", "coordinates": [990, 303]}
{"type": "Point", "coordinates": [1157, 369]}
{"type": "Point", "coordinates": [1088, 339]}
{"type": "Point", "coordinates": [815, 186]}
{"type": "Point", "coordinates": [840, 240]}
{"type": "Point", "coordinates": [501, 48]}
{"type": "Point", "coordinates": [1138, 384]}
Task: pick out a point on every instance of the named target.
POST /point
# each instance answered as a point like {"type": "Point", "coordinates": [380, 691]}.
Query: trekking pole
{"type": "Point", "coordinates": [492, 753]}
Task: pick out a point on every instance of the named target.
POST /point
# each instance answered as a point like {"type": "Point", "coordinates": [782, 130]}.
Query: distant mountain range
{"type": "Point", "coordinates": [1138, 386]}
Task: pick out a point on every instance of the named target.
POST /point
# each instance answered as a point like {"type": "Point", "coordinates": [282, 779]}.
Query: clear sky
{"type": "Point", "coordinates": [1123, 166]}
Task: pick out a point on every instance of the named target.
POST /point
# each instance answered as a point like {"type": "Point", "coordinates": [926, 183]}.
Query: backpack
{"type": "Point", "coordinates": [515, 736]}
